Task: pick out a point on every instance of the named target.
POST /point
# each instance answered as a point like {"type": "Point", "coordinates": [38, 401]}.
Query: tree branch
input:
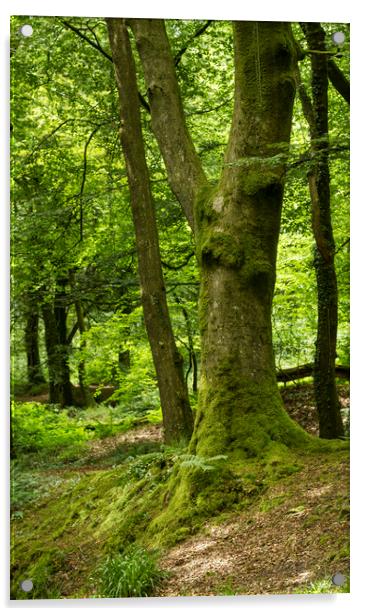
{"type": "Point", "coordinates": [46, 137]}
{"type": "Point", "coordinates": [98, 47]}
{"type": "Point", "coordinates": [335, 75]}
{"type": "Point", "coordinates": [83, 180]}
{"type": "Point", "coordinates": [178, 267]}
{"type": "Point", "coordinates": [72, 333]}
{"type": "Point", "coordinates": [338, 80]}
{"type": "Point", "coordinates": [196, 34]}
{"type": "Point", "coordinates": [342, 245]}
{"type": "Point", "coordinates": [83, 36]}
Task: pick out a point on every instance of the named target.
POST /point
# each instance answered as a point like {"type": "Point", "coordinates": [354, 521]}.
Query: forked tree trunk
{"type": "Point", "coordinates": [177, 414]}
{"type": "Point", "coordinates": [237, 226]}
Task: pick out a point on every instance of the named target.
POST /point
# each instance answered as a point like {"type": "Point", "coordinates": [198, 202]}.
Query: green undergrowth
{"type": "Point", "coordinates": [49, 433]}
{"type": "Point", "coordinates": [149, 500]}
{"type": "Point", "coordinates": [324, 586]}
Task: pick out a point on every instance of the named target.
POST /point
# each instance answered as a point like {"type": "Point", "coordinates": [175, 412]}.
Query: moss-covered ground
{"type": "Point", "coordinates": [277, 523]}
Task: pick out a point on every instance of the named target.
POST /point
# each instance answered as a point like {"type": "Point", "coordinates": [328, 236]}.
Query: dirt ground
{"type": "Point", "coordinates": [294, 536]}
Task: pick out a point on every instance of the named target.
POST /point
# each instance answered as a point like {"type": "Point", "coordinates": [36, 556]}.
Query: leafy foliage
{"type": "Point", "coordinates": [37, 427]}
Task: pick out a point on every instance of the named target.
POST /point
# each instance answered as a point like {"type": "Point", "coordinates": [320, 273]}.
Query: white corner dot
{"type": "Point", "coordinates": [338, 38]}
{"type": "Point", "coordinates": [26, 585]}
{"type": "Point", "coordinates": [26, 30]}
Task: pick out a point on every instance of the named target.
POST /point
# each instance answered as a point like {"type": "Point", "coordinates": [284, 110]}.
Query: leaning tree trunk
{"type": "Point", "coordinates": [327, 402]}
{"type": "Point", "coordinates": [237, 224]}
{"type": "Point", "coordinates": [177, 414]}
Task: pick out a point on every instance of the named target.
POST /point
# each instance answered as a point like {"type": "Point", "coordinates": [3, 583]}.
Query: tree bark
{"type": "Point", "coordinates": [183, 165]}
{"type": "Point", "coordinates": [328, 406]}
{"type": "Point", "coordinates": [237, 235]}
{"type": "Point", "coordinates": [177, 414]}
{"type": "Point", "coordinates": [34, 370]}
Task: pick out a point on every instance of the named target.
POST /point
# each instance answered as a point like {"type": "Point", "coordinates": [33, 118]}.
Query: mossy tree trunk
{"type": "Point", "coordinates": [177, 414]}
{"type": "Point", "coordinates": [238, 225]}
{"type": "Point", "coordinates": [327, 401]}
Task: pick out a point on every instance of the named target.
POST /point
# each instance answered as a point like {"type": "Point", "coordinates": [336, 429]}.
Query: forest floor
{"type": "Point", "coordinates": [294, 534]}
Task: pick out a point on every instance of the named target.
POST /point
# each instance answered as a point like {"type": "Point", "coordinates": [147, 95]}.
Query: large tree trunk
{"type": "Point", "coordinates": [328, 406]}
{"type": "Point", "coordinates": [34, 370]}
{"type": "Point", "coordinates": [237, 227]}
{"type": "Point", "coordinates": [177, 414]}
{"type": "Point", "coordinates": [237, 234]}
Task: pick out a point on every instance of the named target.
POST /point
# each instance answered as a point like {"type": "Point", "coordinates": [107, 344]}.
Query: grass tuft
{"type": "Point", "coordinates": [134, 573]}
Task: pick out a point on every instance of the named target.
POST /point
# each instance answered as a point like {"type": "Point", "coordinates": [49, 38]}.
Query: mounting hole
{"type": "Point", "coordinates": [26, 30]}
{"type": "Point", "coordinates": [339, 579]}
{"type": "Point", "coordinates": [26, 585]}
{"type": "Point", "coordinates": [338, 38]}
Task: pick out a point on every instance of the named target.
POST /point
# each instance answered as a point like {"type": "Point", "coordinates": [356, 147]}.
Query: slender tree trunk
{"type": "Point", "coordinates": [237, 235]}
{"type": "Point", "coordinates": [55, 318]}
{"type": "Point", "coordinates": [86, 398]}
{"type": "Point", "coordinates": [193, 362]}
{"type": "Point", "coordinates": [34, 370]}
{"type": "Point", "coordinates": [60, 311]}
{"type": "Point", "coordinates": [177, 414]}
{"type": "Point", "coordinates": [51, 340]}
{"type": "Point", "coordinates": [328, 406]}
